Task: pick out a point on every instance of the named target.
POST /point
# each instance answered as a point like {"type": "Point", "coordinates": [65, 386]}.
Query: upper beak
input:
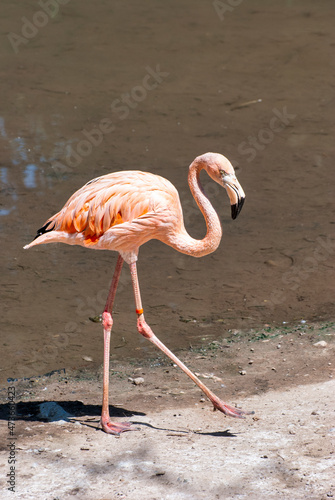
{"type": "Point", "coordinates": [235, 193]}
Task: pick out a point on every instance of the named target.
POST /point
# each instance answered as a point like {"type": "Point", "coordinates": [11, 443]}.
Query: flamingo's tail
{"type": "Point", "coordinates": [54, 237]}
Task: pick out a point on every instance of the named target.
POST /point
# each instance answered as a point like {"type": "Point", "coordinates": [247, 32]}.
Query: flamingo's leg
{"type": "Point", "coordinates": [145, 330]}
{"type": "Point", "coordinates": [107, 323]}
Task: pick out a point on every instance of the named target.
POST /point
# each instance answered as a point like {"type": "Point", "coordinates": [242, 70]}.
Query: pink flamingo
{"type": "Point", "coordinates": [123, 210]}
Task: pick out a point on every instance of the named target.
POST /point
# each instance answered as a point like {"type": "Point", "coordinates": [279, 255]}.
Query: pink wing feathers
{"type": "Point", "coordinates": [137, 202]}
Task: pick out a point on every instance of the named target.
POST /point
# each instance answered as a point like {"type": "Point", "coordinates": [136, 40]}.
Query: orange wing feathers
{"type": "Point", "coordinates": [108, 201]}
{"type": "Point", "coordinates": [119, 211]}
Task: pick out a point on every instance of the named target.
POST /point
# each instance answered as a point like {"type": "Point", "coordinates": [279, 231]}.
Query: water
{"type": "Point", "coordinates": [92, 88]}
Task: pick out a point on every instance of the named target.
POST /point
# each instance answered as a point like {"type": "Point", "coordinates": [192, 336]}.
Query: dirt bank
{"type": "Point", "coordinates": [180, 448]}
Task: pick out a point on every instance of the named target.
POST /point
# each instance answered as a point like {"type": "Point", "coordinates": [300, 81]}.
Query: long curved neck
{"type": "Point", "coordinates": [182, 241]}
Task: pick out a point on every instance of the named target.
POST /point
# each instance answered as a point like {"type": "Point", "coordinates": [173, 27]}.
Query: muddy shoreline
{"type": "Point", "coordinates": [285, 376]}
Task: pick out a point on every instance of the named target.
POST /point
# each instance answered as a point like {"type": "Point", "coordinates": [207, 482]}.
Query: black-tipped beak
{"type": "Point", "coordinates": [236, 208]}
{"type": "Point", "coordinates": [235, 193]}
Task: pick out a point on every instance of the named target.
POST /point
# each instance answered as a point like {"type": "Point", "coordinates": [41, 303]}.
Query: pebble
{"type": "Point", "coordinates": [138, 380]}
{"type": "Point", "coordinates": [322, 343]}
{"type": "Point", "coordinates": [271, 263]}
{"type": "Point", "coordinates": [242, 372]}
{"type": "Point", "coordinates": [160, 473]}
{"type": "Point", "coordinates": [53, 412]}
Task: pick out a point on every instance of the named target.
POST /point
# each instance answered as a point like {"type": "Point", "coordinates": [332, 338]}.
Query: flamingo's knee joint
{"type": "Point", "coordinates": [144, 329]}
{"type": "Point", "coordinates": [107, 320]}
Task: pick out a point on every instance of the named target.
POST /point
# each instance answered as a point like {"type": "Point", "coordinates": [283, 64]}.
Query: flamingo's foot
{"type": "Point", "coordinates": [115, 427]}
{"type": "Point", "coordinates": [230, 411]}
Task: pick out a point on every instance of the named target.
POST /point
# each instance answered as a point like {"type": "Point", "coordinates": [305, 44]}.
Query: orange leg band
{"type": "Point", "coordinates": [139, 311]}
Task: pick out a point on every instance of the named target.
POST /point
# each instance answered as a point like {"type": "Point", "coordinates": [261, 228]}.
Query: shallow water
{"type": "Point", "coordinates": [89, 89]}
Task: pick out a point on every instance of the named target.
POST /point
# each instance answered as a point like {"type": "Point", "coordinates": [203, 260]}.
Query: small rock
{"type": "Point", "coordinates": [138, 380]}
{"type": "Point", "coordinates": [242, 372]}
{"type": "Point", "coordinates": [322, 343]}
{"type": "Point", "coordinates": [96, 319]}
{"type": "Point", "coordinates": [38, 450]}
{"type": "Point", "coordinates": [159, 473]}
{"type": "Point", "coordinates": [271, 263]}
{"type": "Point", "coordinates": [87, 358]}
{"type": "Point", "coordinates": [53, 412]}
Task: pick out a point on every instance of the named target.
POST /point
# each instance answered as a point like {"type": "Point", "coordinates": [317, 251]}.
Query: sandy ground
{"type": "Point", "coordinates": [180, 448]}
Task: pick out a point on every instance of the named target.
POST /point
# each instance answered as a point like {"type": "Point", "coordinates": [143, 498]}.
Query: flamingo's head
{"type": "Point", "coordinates": [222, 171]}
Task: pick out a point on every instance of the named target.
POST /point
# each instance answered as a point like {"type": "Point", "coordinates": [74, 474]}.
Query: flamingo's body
{"type": "Point", "coordinates": [118, 211]}
{"type": "Point", "coordinates": [122, 211]}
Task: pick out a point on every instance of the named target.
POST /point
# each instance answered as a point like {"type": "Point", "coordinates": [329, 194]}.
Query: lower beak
{"type": "Point", "coordinates": [235, 193]}
{"type": "Point", "coordinates": [237, 207]}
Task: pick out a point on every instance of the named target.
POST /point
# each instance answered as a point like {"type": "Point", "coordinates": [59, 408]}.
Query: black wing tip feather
{"type": "Point", "coordinates": [44, 229]}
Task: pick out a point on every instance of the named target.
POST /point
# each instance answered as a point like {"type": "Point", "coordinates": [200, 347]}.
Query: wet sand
{"type": "Point", "coordinates": [254, 86]}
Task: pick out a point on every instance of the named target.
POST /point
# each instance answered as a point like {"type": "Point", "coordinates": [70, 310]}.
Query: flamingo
{"type": "Point", "coordinates": [123, 210]}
